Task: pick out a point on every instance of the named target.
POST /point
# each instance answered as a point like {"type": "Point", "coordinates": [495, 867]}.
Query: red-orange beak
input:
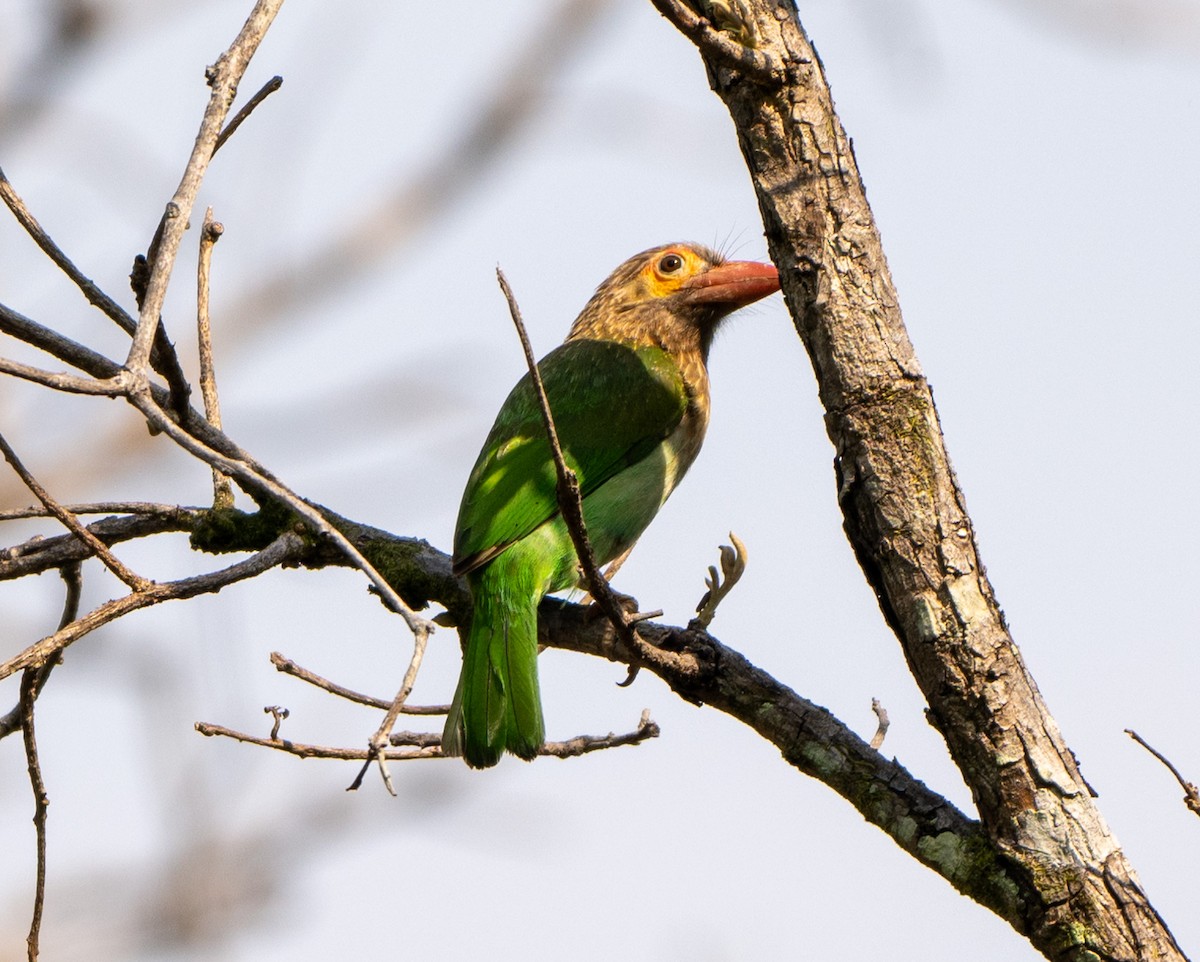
{"type": "Point", "coordinates": [734, 284]}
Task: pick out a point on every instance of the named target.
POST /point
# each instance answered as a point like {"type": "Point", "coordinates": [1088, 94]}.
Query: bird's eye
{"type": "Point", "coordinates": [670, 263]}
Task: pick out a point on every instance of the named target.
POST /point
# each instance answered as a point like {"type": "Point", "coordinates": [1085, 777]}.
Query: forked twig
{"type": "Point", "coordinates": [31, 680]}
{"type": "Point", "coordinates": [382, 734]}
{"type": "Point", "coordinates": [411, 746]}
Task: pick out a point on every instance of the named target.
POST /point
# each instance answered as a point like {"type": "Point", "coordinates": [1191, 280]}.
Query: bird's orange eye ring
{"type": "Point", "coordinates": [670, 263]}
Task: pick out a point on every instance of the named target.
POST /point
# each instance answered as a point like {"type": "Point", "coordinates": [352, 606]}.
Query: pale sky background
{"type": "Point", "coordinates": [1033, 171]}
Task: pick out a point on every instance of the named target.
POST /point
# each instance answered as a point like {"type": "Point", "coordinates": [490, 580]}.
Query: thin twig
{"type": "Point", "coordinates": [289, 667]}
{"type": "Point", "coordinates": [95, 296]}
{"type": "Point", "coordinates": [382, 734]}
{"type": "Point", "coordinates": [278, 714]}
{"type": "Point", "coordinates": [68, 383]}
{"type": "Point", "coordinates": [165, 360]}
{"type": "Point", "coordinates": [30, 680]}
{"type": "Point", "coordinates": [247, 109]}
{"type": "Point", "coordinates": [72, 578]}
{"type": "Point", "coordinates": [33, 681]}
{"type": "Point", "coordinates": [210, 233]}
{"type": "Point", "coordinates": [1191, 794]}
{"type": "Point", "coordinates": [98, 547]}
{"type": "Point", "coordinates": [582, 744]}
{"type": "Point", "coordinates": [55, 344]}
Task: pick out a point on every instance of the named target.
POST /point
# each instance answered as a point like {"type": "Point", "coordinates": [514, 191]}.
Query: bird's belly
{"type": "Point", "coordinates": [618, 511]}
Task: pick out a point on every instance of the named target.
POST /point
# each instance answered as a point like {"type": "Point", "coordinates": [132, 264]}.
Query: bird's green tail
{"type": "Point", "coordinates": [497, 706]}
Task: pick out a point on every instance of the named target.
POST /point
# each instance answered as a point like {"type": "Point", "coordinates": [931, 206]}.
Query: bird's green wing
{"type": "Point", "coordinates": [612, 405]}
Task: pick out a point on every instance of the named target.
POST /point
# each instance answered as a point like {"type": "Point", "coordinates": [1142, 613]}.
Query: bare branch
{"type": "Point", "coordinates": [31, 680]}
{"type": "Point", "coordinates": [1191, 795]}
{"type": "Point", "coordinates": [905, 513]}
{"type": "Point", "coordinates": [97, 547]}
{"type": "Point", "coordinates": [289, 667]}
{"type": "Point", "coordinates": [582, 744]}
{"type": "Point", "coordinates": [68, 383]}
{"type": "Point", "coordinates": [223, 78]}
{"type": "Point", "coordinates": [247, 109]}
{"type": "Point", "coordinates": [72, 578]}
{"type": "Point", "coordinates": [43, 338]}
{"type": "Point", "coordinates": [95, 296]}
{"type": "Point", "coordinates": [428, 745]}
{"type": "Point", "coordinates": [210, 233]}
{"type": "Point", "coordinates": [380, 738]}
{"type": "Point", "coordinates": [301, 750]}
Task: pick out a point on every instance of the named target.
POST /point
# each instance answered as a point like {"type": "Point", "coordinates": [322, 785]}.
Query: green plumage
{"type": "Point", "coordinates": [629, 395]}
{"type": "Point", "coordinates": [615, 408]}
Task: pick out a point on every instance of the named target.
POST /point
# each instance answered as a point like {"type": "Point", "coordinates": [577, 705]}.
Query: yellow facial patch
{"type": "Point", "coordinates": [669, 268]}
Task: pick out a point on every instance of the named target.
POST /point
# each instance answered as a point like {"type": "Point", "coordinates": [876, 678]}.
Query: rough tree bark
{"type": "Point", "coordinates": [904, 511]}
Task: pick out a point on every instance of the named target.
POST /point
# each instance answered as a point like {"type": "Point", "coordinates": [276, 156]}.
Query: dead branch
{"type": "Point", "coordinates": [428, 745]}
{"type": "Point", "coordinates": [1191, 794]}
{"type": "Point", "coordinates": [210, 233]}
{"type": "Point", "coordinates": [247, 109]}
{"type": "Point", "coordinates": [223, 78]}
{"type": "Point", "coordinates": [289, 667]}
{"type": "Point", "coordinates": [31, 680]}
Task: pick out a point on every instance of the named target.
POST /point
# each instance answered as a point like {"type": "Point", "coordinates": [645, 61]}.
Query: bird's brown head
{"type": "Point", "coordinates": [673, 296]}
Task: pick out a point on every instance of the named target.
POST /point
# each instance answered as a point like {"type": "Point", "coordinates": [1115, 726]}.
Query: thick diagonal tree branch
{"type": "Point", "coordinates": [904, 512]}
